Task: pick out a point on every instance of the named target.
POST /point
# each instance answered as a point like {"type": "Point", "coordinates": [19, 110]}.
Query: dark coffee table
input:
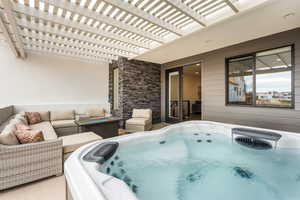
{"type": "Point", "coordinates": [104, 127]}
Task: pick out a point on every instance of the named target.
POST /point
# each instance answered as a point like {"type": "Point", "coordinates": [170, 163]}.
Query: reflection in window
{"type": "Point", "coordinates": [274, 78]}
{"type": "Point", "coordinates": [116, 89]}
{"type": "Point", "coordinates": [240, 83]}
{"type": "Point", "coordinates": [271, 71]}
{"type": "Point", "coordinates": [174, 94]}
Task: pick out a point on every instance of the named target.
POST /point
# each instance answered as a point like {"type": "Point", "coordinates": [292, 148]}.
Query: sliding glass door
{"type": "Point", "coordinates": [174, 95]}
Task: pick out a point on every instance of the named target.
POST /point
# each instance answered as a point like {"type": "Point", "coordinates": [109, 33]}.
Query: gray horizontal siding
{"type": "Point", "coordinates": [213, 85]}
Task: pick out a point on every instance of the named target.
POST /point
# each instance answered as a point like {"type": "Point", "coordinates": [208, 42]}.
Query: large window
{"type": "Point", "coordinates": [261, 79]}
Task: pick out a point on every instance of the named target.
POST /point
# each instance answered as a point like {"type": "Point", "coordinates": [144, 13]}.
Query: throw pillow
{"type": "Point", "coordinates": [7, 136]}
{"type": "Point", "coordinates": [29, 136]}
{"type": "Point", "coordinates": [33, 117]}
{"type": "Point", "coordinates": [16, 121]}
{"type": "Point", "coordinates": [22, 127]}
{"type": "Point", "coordinates": [22, 118]}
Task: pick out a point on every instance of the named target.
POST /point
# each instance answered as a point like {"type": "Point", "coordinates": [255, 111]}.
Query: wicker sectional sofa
{"type": "Point", "coordinates": [24, 163]}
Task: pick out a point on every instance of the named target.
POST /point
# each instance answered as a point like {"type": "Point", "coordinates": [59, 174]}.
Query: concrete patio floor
{"type": "Point", "coordinates": [53, 188]}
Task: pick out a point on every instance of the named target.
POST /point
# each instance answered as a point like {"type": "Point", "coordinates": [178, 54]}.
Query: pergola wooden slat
{"type": "Point", "coordinates": [7, 35]}
{"type": "Point", "coordinates": [102, 29]}
{"type": "Point", "coordinates": [8, 11]}
{"type": "Point", "coordinates": [145, 15]}
{"type": "Point", "coordinates": [64, 33]}
{"type": "Point", "coordinates": [79, 26]}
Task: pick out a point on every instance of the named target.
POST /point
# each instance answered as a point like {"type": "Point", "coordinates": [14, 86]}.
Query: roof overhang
{"type": "Point", "coordinates": [265, 19]}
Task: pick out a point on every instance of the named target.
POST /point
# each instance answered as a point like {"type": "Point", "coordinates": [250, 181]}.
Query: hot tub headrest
{"type": "Point", "coordinates": [260, 134]}
{"type": "Point", "coordinates": [102, 152]}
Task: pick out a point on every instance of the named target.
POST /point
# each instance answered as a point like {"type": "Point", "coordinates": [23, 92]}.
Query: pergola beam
{"type": "Point", "coordinates": [231, 5]}
{"type": "Point", "coordinates": [180, 6]}
{"type": "Point", "coordinates": [63, 33]}
{"type": "Point", "coordinates": [61, 50]}
{"type": "Point", "coordinates": [41, 50]}
{"type": "Point", "coordinates": [69, 23]}
{"type": "Point", "coordinates": [11, 18]}
{"type": "Point", "coordinates": [145, 16]}
{"type": "Point", "coordinates": [8, 36]}
{"type": "Point", "coordinates": [102, 18]}
{"type": "Point", "coordinates": [64, 42]}
{"type": "Point", "coordinates": [66, 48]}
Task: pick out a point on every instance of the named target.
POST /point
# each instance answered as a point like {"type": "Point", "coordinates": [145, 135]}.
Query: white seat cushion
{"type": "Point", "coordinates": [73, 142]}
{"type": "Point", "coordinates": [63, 123]}
{"type": "Point", "coordinates": [137, 121]}
{"type": "Point", "coordinates": [46, 127]}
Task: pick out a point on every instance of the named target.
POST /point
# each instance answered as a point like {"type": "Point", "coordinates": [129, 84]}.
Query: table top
{"type": "Point", "coordinates": [91, 121]}
{"type": "Point", "coordinates": [73, 142]}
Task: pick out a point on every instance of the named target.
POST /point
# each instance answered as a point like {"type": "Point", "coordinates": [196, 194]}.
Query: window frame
{"type": "Point", "coordinates": [253, 54]}
{"type": "Point", "coordinates": [113, 89]}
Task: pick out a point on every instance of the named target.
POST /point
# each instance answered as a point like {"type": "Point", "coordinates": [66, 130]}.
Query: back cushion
{"type": "Point", "coordinates": [141, 113]}
{"type": "Point", "coordinates": [5, 113]}
{"type": "Point", "coordinates": [22, 118]}
{"type": "Point", "coordinates": [62, 115]}
{"type": "Point", "coordinates": [95, 112]}
{"type": "Point", "coordinates": [16, 121]}
{"type": "Point", "coordinates": [7, 136]}
{"type": "Point", "coordinates": [45, 115]}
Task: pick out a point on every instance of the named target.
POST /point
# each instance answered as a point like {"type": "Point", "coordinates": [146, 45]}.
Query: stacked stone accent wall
{"type": "Point", "coordinates": [139, 87]}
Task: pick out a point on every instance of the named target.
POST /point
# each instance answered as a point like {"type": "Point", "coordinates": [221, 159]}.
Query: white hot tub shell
{"type": "Point", "coordinates": [81, 186]}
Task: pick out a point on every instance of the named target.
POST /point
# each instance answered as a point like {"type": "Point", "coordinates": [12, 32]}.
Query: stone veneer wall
{"type": "Point", "coordinates": [139, 87]}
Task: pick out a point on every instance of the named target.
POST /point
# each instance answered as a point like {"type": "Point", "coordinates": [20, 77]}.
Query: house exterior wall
{"type": "Point", "coordinates": [139, 87]}
{"type": "Point", "coordinates": [213, 85]}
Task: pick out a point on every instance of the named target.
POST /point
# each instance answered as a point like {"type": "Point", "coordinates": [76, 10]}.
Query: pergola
{"type": "Point", "coordinates": [103, 30]}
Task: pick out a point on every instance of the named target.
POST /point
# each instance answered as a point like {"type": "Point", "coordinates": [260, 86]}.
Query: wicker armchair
{"type": "Point", "coordinates": [25, 163]}
{"type": "Point", "coordinates": [141, 120]}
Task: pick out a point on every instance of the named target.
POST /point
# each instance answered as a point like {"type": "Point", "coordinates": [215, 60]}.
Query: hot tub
{"type": "Point", "coordinates": [188, 161]}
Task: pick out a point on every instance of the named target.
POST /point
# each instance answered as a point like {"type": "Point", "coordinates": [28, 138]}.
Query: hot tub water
{"type": "Point", "coordinates": [193, 165]}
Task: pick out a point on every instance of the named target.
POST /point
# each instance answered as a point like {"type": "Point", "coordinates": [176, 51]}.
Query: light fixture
{"type": "Point", "coordinates": [278, 59]}
{"type": "Point", "coordinates": [198, 64]}
{"type": "Point", "coordinates": [196, 72]}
